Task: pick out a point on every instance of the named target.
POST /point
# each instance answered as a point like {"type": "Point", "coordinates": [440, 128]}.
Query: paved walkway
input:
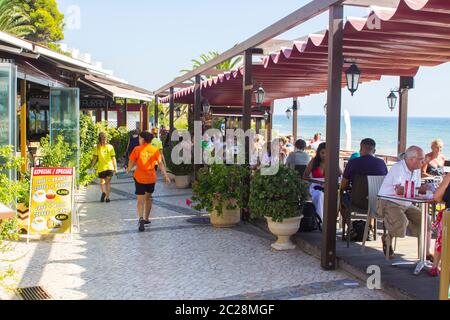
{"type": "Point", "coordinates": [180, 257]}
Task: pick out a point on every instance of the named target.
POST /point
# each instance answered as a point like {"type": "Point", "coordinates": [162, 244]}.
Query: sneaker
{"type": "Point", "coordinates": [147, 222]}
{"type": "Point", "coordinates": [141, 225]}
{"type": "Point", "coordinates": [102, 199]}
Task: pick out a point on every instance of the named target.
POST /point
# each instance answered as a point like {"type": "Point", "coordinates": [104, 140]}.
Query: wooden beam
{"type": "Point", "coordinates": [335, 67]}
{"type": "Point", "coordinates": [172, 110]}
{"type": "Point", "coordinates": [197, 118]}
{"type": "Point", "coordinates": [295, 120]}
{"type": "Point", "coordinates": [310, 10]}
{"type": "Point", "coordinates": [156, 111]}
{"type": "Point", "coordinates": [368, 3]}
{"type": "Point", "coordinates": [445, 272]}
{"type": "Point", "coordinates": [403, 117]}
{"type": "Point", "coordinates": [23, 124]}
{"type": "Point", "coordinates": [125, 113]}
{"type": "Point", "coordinates": [247, 100]}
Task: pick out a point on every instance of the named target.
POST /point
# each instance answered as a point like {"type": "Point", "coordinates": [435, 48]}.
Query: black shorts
{"type": "Point", "coordinates": [142, 189]}
{"type": "Point", "coordinates": [106, 174]}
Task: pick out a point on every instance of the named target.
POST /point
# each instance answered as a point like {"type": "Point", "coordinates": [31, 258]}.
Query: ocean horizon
{"type": "Point", "coordinates": [384, 130]}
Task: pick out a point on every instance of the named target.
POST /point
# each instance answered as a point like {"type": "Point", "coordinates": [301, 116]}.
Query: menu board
{"type": "Point", "coordinates": [51, 200]}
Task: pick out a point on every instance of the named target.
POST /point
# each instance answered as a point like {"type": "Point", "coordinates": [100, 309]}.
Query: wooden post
{"type": "Point", "coordinates": [98, 115]}
{"type": "Point", "coordinates": [23, 124]}
{"type": "Point", "coordinates": [145, 119]}
{"type": "Point", "coordinates": [247, 100]}
{"type": "Point", "coordinates": [445, 261]}
{"type": "Point", "coordinates": [295, 120]}
{"type": "Point", "coordinates": [403, 116]}
{"type": "Point", "coordinates": [335, 62]}
{"type": "Point", "coordinates": [156, 117]}
{"type": "Point", "coordinates": [125, 110]}
{"type": "Point", "coordinates": [197, 117]}
{"type": "Point", "coordinates": [258, 125]}
{"type": "Point", "coordinates": [106, 111]}
{"type": "Point", "coordinates": [172, 110]}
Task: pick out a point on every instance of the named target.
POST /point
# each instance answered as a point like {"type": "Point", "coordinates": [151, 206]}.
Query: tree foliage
{"type": "Point", "coordinates": [206, 57]}
{"type": "Point", "coordinates": [14, 19]}
{"type": "Point", "coordinates": [46, 18]}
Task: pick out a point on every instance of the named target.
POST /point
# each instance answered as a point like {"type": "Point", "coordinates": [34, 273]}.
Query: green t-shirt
{"type": "Point", "coordinates": [157, 143]}
{"type": "Point", "coordinates": [105, 155]}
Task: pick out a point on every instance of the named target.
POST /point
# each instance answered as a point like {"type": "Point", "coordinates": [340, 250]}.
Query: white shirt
{"type": "Point", "coordinates": [398, 175]}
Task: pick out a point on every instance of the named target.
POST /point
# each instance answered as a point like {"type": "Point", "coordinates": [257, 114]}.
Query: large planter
{"type": "Point", "coordinates": [182, 182]}
{"type": "Point", "coordinates": [284, 231]}
{"type": "Point", "coordinates": [228, 219]}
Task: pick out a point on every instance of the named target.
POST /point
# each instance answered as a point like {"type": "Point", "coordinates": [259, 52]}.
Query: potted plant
{"type": "Point", "coordinates": [280, 199]}
{"type": "Point", "coordinates": [221, 190]}
{"type": "Point", "coordinates": [181, 172]}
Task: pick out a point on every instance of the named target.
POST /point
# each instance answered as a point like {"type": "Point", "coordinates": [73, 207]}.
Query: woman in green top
{"type": "Point", "coordinates": [105, 159]}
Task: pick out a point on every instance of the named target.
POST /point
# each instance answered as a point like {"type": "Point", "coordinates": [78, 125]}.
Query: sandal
{"type": "Point", "coordinates": [434, 272]}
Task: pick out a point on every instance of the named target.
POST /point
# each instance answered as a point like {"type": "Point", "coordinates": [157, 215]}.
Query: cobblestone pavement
{"type": "Point", "coordinates": [179, 257]}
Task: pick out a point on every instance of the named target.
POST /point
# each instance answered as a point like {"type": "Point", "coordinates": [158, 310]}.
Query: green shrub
{"type": "Point", "coordinates": [218, 184]}
{"type": "Point", "coordinates": [56, 154]}
{"type": "Point", "coordinates": [88, 139]}
{"type": "Point", "coordinates": [281, 196]}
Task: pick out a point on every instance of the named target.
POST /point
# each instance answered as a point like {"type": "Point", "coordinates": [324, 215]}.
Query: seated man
{"type": "Point", "coordinates": [366, 165]}
{"type": "Point", "coordinates": [400, 216]}
{"type": "Point", "coordinates": [299, 157]}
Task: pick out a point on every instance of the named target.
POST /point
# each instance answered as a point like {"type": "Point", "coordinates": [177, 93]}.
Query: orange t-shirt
{"type": "Point", "coordinates": [145, 157]}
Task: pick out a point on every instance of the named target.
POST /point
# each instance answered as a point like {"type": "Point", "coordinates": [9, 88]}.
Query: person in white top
{"type": "Point", "coordinates": [401, 216]}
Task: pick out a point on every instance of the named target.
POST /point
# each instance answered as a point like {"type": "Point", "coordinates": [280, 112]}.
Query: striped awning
{"type": "Point", "coordinates": [390, 41]}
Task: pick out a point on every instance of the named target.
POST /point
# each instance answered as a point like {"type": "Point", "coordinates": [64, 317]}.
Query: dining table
{"type": "Point", "coordinates": [423, 201]}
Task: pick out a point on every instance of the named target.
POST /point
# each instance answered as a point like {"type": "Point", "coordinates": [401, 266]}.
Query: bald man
{"type": "Point", "coordinates": [401, 216]}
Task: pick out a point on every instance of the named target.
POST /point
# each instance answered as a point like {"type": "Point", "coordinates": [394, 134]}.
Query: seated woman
{"type": "Point", "coordinates": [434, 161]}
{"type": "Point", "coordinates": [316, 170]}
{"type": "Point", "coordinates": [442, 195]}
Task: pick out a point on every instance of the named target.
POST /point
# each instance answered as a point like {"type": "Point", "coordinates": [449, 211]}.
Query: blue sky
{"type": "Point", "coordinates": [149, 42]}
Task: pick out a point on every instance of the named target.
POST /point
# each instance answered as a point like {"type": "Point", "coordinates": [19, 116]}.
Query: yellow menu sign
{"type": "Point", "coordinates": [51, 200]}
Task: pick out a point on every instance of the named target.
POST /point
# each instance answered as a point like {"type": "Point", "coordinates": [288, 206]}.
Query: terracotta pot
{"type": "Point", "coordinates": [228, 219]}
{"type": "Point", "coordinates": [284, 231]}
{"type": "Point", "coordinates": [182, 182]}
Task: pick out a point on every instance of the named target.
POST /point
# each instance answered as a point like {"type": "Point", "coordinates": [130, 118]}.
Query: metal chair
{"type": "Point", "coordinates": [301, 170]}
{"type": "Point", "coordinates": [358, 202]}
{"type": "Point", "coordinates": [374, 184]}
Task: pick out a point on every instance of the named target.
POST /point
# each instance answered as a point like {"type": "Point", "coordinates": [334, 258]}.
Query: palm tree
{"type": "Point", "coordinates": [14, 20]}
{"type": "Point", "coordinates": [204, 58]}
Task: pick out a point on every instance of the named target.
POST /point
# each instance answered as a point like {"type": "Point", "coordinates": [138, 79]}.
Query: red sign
{"type": "Point", "coordinates": [52, 172]}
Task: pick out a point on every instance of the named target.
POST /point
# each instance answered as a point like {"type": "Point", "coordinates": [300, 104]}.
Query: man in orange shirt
{"type": "Point", "coordinates": [145, 157]}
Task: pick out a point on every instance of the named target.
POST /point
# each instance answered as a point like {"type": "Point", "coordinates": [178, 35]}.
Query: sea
{"type": "Point", "coordinates": [384, 130]}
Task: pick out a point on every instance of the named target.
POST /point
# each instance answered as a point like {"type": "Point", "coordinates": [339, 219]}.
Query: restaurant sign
{"type": "Point", "coordinates": [51, 201]}
{"type": "Point", "coordinates": [93, 103]}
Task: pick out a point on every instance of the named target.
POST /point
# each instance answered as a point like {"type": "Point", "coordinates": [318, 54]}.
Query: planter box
{"type": "Point", "coordinates": [284, 231]}
{"type": "Point", "coordinates": [182, 182]}
{"type": "Point", "coordinates": [228, 219]}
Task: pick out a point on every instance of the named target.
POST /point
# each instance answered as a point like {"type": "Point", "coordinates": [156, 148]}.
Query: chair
{"type": "Point", "coordinates": [374, 184]}
{"type": "Point", "coordinates": [358, 202]}
{"type": "Point", "coordinates": [301, 170]}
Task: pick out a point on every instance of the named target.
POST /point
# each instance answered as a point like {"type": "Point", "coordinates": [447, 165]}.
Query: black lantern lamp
{"type": "Point", "coordinates": [353, 75]}
{"type": "Point", "coordinates": [289, 113]}
{"type": "Point", "coordinates": [206, 107]}
{"type": "Point", "coordinates": [260, 95]}
{"type": "Point", "coordinates": [392, 101]}
{"type": "Point", "coordinates": [178, 112]}
{"type": "Point", "coordinates": [325, 108]}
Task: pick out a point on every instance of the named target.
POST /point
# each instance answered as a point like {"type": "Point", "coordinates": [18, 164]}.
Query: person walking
{"type": "Point", "coordinates": [105, 159]}
{"type": "Point", "coordinates": [133, 142]}
{"type": "Point", "coordinates": [144, 158]}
